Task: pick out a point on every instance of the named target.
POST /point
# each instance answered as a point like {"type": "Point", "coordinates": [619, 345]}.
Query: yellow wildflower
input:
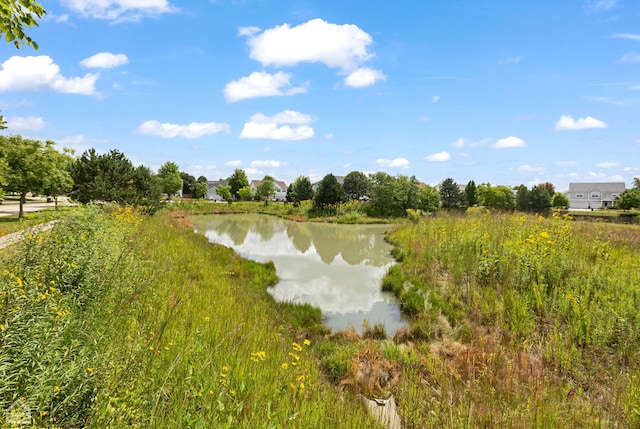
{"type": "Point", "coordinates": [284, 365]}
{"type": "Point", "coordinates": [297, 347]}
{"type": "Point", "coordinates": [89, 369]}
{"type": "Point", "coordinates": [57, 389]}
{"type": "Point", "coordinates": [307, 342]}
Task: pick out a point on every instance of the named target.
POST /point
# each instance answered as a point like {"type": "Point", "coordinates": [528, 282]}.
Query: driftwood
{"type": "Point", "coordinates": [384, 410]}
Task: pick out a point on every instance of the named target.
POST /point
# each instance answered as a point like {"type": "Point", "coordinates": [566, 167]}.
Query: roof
{"type": "Point", "coordinates": [340, 180]}
{"type": "Point", "coordinates": [280, 183]}
{"type": "Point", "coordinates": [608, 187]}
{"type": "Point", "coordinates": [215, 183]}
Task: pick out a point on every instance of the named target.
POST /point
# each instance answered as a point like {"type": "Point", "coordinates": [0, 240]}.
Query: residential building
{"type": "Point", "coordinates": [211, 192]}
{"type": "Point", "coordinates": [281, 189]}
{"type": "Point", "coordinates": [594, 195]}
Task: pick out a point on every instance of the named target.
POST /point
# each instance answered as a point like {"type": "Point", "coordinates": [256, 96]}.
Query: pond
{"type": "Point", "coordinates": [337, 268]}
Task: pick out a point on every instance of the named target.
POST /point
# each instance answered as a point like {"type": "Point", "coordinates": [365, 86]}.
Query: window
{"type": "Point", "coordinates": [579, 195]}
{"type": "Point", "coordinates": [595, 195]}
{"type": "Point", "coordinates": [614, 195]}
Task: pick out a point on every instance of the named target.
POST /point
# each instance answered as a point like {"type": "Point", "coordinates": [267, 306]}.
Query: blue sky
{"type": "Point", "coordinates": [509, 93]}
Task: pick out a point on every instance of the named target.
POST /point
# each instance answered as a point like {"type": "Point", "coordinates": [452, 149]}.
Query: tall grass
{"type": "Point", "coordinates": [543, 317]}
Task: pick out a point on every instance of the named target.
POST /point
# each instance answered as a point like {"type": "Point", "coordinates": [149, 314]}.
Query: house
{"type": "Point", "coordinates": [340, 180]}
{"type": "Point", "coordinates": [594, 195]}
{"type": "Point", "coordinates": [211, 191]}
{"type": "Point", "coordinates": [281, 189]}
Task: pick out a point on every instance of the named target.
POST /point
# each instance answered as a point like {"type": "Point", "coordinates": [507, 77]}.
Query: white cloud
{"type": "Point", "coordinates": [438, 157]}
{"type": "Point", "coordinates": [39, 73]}
{"type": "Point", "coordinates": [267, 163]}
{"type": "Point", "coordinates": [234, 163]}
{"type": "Point", "coordinates": [30, 123]}
{"type": "Point", "coordinates": [608, 164]}
{"type": "Point", "coordinates": [261, 126]}
{"type": "Point", "coordinates": [508, 142]}
{"type": "Point", "coordinates": [435, 98]}
{"type": "Point", "coordinates": [631, 57]}
{"type": "Point", "coordinates": [364, 76]}
{"type": "Point", "coordinates": [602, 177]}
{"type": "Point", "coordinates": [105, 60]}
{"type": "Point", "coordinates": [73, 140]}
{"type": "Point", "coordinates": [190, 131]}
{"type": "Point", "coordinates": [397, 162]}
{"type": "Point", "coordinates": [595, 6]}
{"type": "Point", "coordinates": [248, 31]}
{"type": "Point", "coordinates": [629, 36]}
{"type": "Point", "coordinates": [510, 60]}
{"type": "Point", "coordinates": [119, 10]}
{"type": "Point", "coordinates": [260, 84]}
{"type": "Point", "coordinates": [567, 122]}
{"type": "Point", "coordinates": [535, 168]}
{"type": "Point", "coordinates": [316, 41]}
{"type": "Point", "coordinates": [284, 117]}
{"type": "Point", "coordinates": [462, 142]}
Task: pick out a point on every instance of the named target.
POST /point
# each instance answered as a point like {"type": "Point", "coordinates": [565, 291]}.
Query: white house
{"type": "Point", "coordinates": [211, 191]}
{"type": "Point", "coordinates": [281, 189]}
{"type": "Point", "coordinates": [594, 195]}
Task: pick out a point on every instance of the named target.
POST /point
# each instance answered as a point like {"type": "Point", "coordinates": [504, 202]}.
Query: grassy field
{"type": "Point", "coordinates": [114, 319]}
{"type": "Point", "coordinates": [519, 321]}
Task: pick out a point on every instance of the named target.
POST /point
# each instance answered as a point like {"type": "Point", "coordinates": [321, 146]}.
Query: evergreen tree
{"type": "Point", "coordinates": [329, 192]}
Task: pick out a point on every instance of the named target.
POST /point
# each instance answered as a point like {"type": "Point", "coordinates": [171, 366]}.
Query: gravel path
{"type": "Point", "coordinates": [10, 239]}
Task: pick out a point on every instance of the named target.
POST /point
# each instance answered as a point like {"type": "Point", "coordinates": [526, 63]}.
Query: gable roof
{"type": "Point", "coordinates": [605, 187]}
{"type": "Point", "coordinates": [279, 183]}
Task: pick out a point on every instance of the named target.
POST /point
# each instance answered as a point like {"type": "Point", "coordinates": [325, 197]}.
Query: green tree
{"type": "Point", "coordinates": [540, 199]}
{"type": "Point", "coordinates": [329, 192]}
{"type": "Point", "coordinates": [29, 164]}
{"type": "Point", "coordinates": [170, 180]}
{"type": "Point", "coordinates": [103, 177]}
{"type": "Point", "coordinates": [246, 193]}
{"type": "Point", "coordinates": [237, 181]}
{"type": "Point", "coordinates": [58, 180]}
{"type": "Point", "coordinates": [266, 189]}
{"type": "Point", "coordinates": [225, 192]}
{"type": "Point", "coordinates": [451, 197]}
{"type": "Point", "coordinates": [188, 183]}
{"type": "Point", "coordinates": [560, 200]}
{"type": "Point", "coordinates": [523, 198]}
{"type": "Point", "coordinates": [391, 196]}
{"type": "Point", "coordinates": [146, 189]}
{"type": "Point", "coordinates": [429, 199]}
{"type": "Point", "coordinates": [496, 197]}
{"type": "Point", "coordinates": [300, 190]}
{"type": "Point", "coordinates": [549, 187]}
{"type": "Point", "coordinates": [629, 199]}
{"type": "Point", "coordinates": [201, 189]}
{"type": "Point", "coordinates": [356, 185]}
{"type": "Point", "coordinates": [636, 183]}
{"type": "Point", "coordinates": [470, 191]}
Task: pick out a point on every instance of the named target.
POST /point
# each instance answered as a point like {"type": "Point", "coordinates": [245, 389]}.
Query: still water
{"type": "Point", "coordinates": [337, 268]}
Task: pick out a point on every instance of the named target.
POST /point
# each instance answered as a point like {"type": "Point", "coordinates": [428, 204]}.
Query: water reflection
{"type": "Point", "coordinates": [337, 268]}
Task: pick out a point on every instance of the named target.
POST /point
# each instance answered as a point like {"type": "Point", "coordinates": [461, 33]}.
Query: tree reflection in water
{"type": "Point", "coordinates": [337, 268]}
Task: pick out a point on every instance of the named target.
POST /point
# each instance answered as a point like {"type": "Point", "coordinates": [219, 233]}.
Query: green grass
{"type": "Point", "coordinates": [531, 322]}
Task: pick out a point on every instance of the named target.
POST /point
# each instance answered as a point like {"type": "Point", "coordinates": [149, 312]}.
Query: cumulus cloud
{"type": "Point", "coordinates": [608, 164]}
{"type": "Point", "coordinates": [30, 123]}
{"type": "Point", "coordinates": [73, 140]}
{"type": "Point", "coordinates": [267, 163]}
{"type": "Point", "coordinates": [337, 46]}
{"type": "Point", "coordinates": [234, 163]}
{"type": "Point", "coordinates": [631, 57]}
{"type": "Point", "coordinates": [260, 84]}
{"type": "Point", "coordinates": [508, 142]}
{"type": "Point", "coordinates": [261, 126]}
{"type": "Point", "coordinates": [364, 76]}
{"type": "Point", "coordinates": [567, 122]}
{"type": "Point", "coordinates": [438, 157]}
{"type": "Point", "coordinates": [105, 60]}
{"type": "Point", "coordinates": [119, 10]}
{"type": "Point", "coordinates": [193, 130]}
{"type": "Point", "coordinates": [397, 162]}
{"type": "Point", "coordinates": [435, 99]}
{"type": "Point", "coordinates": [40, 73]}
